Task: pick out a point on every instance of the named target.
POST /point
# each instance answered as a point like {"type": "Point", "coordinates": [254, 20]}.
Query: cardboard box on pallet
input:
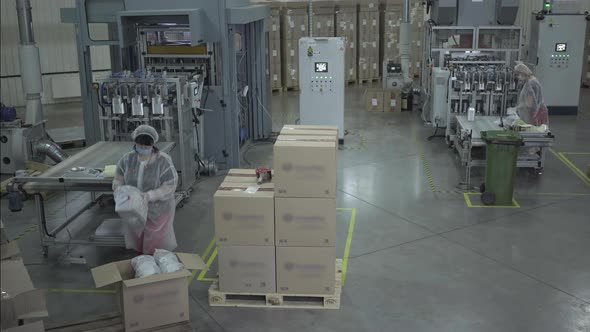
{"type": "Point", "coordinates": [310, 127]}
{"type": "Point", "coordinates": [247, 269]}
{"type": "Point", "coordinates": [306, 270]}
{"type": "Point", "coordinates": [305, 222]}
{"type": "Point", "coordinates": [241, 175]}
{"type": "Point", "coordinates": [152, 301]}
{"type": "Point", "coordinates": [308, 132]}
{"type": "Point", "coordinates": [244, 214]}
{"type": "Point", "coordinates": [374, 100]}
{"type": "Point", "coordinates": [305, 168]}
{"type": "Point", "coordinates": [392, 100]}
{"type": "Point", "coordinates": [20, 300]}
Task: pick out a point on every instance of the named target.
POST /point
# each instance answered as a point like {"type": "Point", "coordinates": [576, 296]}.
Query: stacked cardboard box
{"type": "Point", "coordinates": [417, 19]}
{"type": "Point", "coordinates": [274, 49]}
{"type": "Point", "coordinates": [305, 209]}
{"type": "Point", "coordinates": [368, 38]}
{"type": "Point", "coordinates": [392, 100]}
{"type": "Point", "coordinates": [294, 25]}
{"type": "Point", "coordinates": [391, 18]}
{"type": "Point", "coordinates": [346, 26]}
{"type": "Point", "coordinates": [245, 234]}
{"type": "Point", "coordinates": [21, 302]}
{"type": "Point", "coordinates": [323, 21]}
{"type": "Point", "coordinates": [374, 100]}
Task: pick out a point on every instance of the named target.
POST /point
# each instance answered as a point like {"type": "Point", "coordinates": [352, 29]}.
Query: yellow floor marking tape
{"type": "Point", "coordinates": [209, 262]}
{"type": "Point", "coordinates": [571, 166]}
{"type": "Point", "coordinates": [27, 231]}
{"type": "Point", "coordinates": [471, 205]}
{"type": "Point", "coordinates": [203, 256]}
{"type": "Point", "coordinates": [348, 242]}
{"type": "Point", "coordinates": [577, 153]}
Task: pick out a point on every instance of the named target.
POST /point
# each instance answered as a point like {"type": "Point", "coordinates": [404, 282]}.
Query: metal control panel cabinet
{"type": "Point", "coordinates": [321, 77]}
{"type": "Point", "coordinates": [557, 50]}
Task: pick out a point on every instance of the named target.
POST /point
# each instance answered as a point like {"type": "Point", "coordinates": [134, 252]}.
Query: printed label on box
{"type": "Point", "coordinates": [351, 26]}
{"type": "Point", "coordinates": [275, 77]}
{"type": "Point", "coordinates": [364, 44]}
{"type": "Point", "coordinates": [364, 22]}
{"type": "Point", "coordinates": [351, 44]}
{"type": "Point", "coordinates": [274, 27]}
{"type": "Point", "coordinates": [374, 44]}
{"type": "Point", "coordinates": [302, 27]}
{"type": "Point", "coordinates": [374, 102]}
{"type": "Point", "coordinates": [329, 23]}
{"type": "Point", "coordinates": [374, 22]}
{"type": "Point", "coordinates": [319, 25]}
{"type": "Point", "coordinates": [350, 72]}
{"type": "Point", "coordinates": [390, 23]}
{"type": "Point", "coordinates": [292, 53]}
{"type": "Point", "coordinates": [392, 103]}
{"type": "Point", "coordinates": [371, 5]}
{"type": "Point", "coordinates": [374, 66]}
{"type": "Point", "coordinates": [274, 53]}
{"type": "Point", "coordinates": [418, 43]}
{"type": "Point", "coordinates": [291, 24]}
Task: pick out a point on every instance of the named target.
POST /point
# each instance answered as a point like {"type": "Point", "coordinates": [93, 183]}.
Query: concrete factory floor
{"type": "Point", "coordinates": [419, 258]}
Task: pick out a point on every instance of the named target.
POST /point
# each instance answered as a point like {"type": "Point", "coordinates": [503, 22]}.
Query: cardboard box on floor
{"type": "Point", "coordinates": [152, 301]}
{"type": "Point", "coordinates": [20, 299]}
{"type": "Point", "coordinates": [374, 100]}
{"type": "Point", "coordinates": [308, 138]}
{"type": "Point", "coordinates": [244, 214]}
{"type": "Point", "coordinates": [392, 100]}
{"type": "Point", "coordinates": [306, 270]}
{"type": "Point", "coordinates": [247, 269]}
{"type": "Point", "coordinates": [305, 169]}
{"type": "Point", "coordinates": [305, 222]}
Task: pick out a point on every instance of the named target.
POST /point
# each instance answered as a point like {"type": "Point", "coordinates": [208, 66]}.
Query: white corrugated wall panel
{"type": "Point", "coordinates": [57, 47]}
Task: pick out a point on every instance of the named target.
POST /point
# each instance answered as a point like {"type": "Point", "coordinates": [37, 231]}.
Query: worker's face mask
{"type": "Point", "coordinates": [143, 151]}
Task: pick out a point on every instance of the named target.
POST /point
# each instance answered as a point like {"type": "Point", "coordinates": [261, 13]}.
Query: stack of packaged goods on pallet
{"type": "Point", "coordinates": [22, 305]}
{"type": "Point", "coordinates": [391, 19]}
{"type": "Point", "coordinates": [417, 35]}
{"type": "Point", "coordinates": [346, 26]}
{"type": "Point", "coordinates": [323, 20]}
{"type": "Point", "coordinates": [274, 50]}
{"type": "Point", "coordinates": [305, 160]}
{"type": "Point", "coordinates": [245, 233]}
{"type": "Point", "coordinates": [294, 25]}
{"type": "Point", "coordinates": [368, 38]}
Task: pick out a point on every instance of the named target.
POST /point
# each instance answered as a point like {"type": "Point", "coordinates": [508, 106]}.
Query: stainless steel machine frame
{"type": "Point", "coordinates": [468, 138]}
{"type": "Point", "coordinates": [231, 30]}
{"type": "Point", "coordinates": [70, 177]}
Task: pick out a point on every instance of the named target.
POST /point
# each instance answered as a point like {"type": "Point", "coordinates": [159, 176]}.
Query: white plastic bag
{"type": "Point", "coordinates": [131, 207]}
{"type": "Point", "coordinates": [144, 266]}
{"type": "Point", "coordinates": [167, 261]}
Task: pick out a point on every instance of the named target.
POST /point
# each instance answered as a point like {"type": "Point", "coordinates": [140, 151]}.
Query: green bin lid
{"type": "Point", "coordinates": [501, 136]}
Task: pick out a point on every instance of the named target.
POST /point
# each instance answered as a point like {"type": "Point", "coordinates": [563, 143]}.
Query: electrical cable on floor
{"type": "Point", "coordinates": [434, 135]}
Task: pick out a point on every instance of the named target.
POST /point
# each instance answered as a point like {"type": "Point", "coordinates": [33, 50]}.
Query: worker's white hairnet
{"type": "Point", "coordinates": [521, 68]}
{"type": "Point", "coordinates": [145, 130]}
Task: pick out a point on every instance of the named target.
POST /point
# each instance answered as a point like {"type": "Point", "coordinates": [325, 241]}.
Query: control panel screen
{"type": "Point", "coordinates": [196, 91]}
{"type": "Point", "coordinates": [561, 47]}
{"type": "Point", "coordinates": [321, 67]}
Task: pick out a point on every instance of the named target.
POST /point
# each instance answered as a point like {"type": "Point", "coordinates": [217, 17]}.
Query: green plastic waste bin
{"type": "Point", "coordinates": [501, 155]}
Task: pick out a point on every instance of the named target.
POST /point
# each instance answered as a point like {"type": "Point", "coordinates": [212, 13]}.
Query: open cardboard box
{"type": "Point", "coordinates": [20, 299]}
{"type": "Point", "coordinates": [152, 301]}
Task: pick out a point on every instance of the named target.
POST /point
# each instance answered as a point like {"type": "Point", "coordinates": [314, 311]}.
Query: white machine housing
{"type": "Point", "coordinates": [557, 51]}
{"type": "Point", "coordinates": [440, 83]}
{"type": "Point", "coordinates": [321, 77]}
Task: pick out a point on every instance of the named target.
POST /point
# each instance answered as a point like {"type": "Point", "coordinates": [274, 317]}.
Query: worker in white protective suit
{"type": "Point", "coordinates": [154, 174]}
{"type": "Point", "coordinates": [531, 107]}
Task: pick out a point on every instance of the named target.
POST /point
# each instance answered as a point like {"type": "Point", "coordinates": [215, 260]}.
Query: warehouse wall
{"type": "Point", "coordinates": [57, 46]}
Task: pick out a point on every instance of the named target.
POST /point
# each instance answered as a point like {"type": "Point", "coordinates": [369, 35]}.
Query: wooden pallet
{"type": "Point", "coordinates": [368, 80]}
{"type": "Point", "coordinates": [276, 89]}
{"type": "Point", "coordinates": [110, 323]}
{"type": "Point", "coordinates": [291, 88]}
{"type": "Point", "coordinates": [218, 298]}
{"type": "Point", "coordinates": [349, 82]}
